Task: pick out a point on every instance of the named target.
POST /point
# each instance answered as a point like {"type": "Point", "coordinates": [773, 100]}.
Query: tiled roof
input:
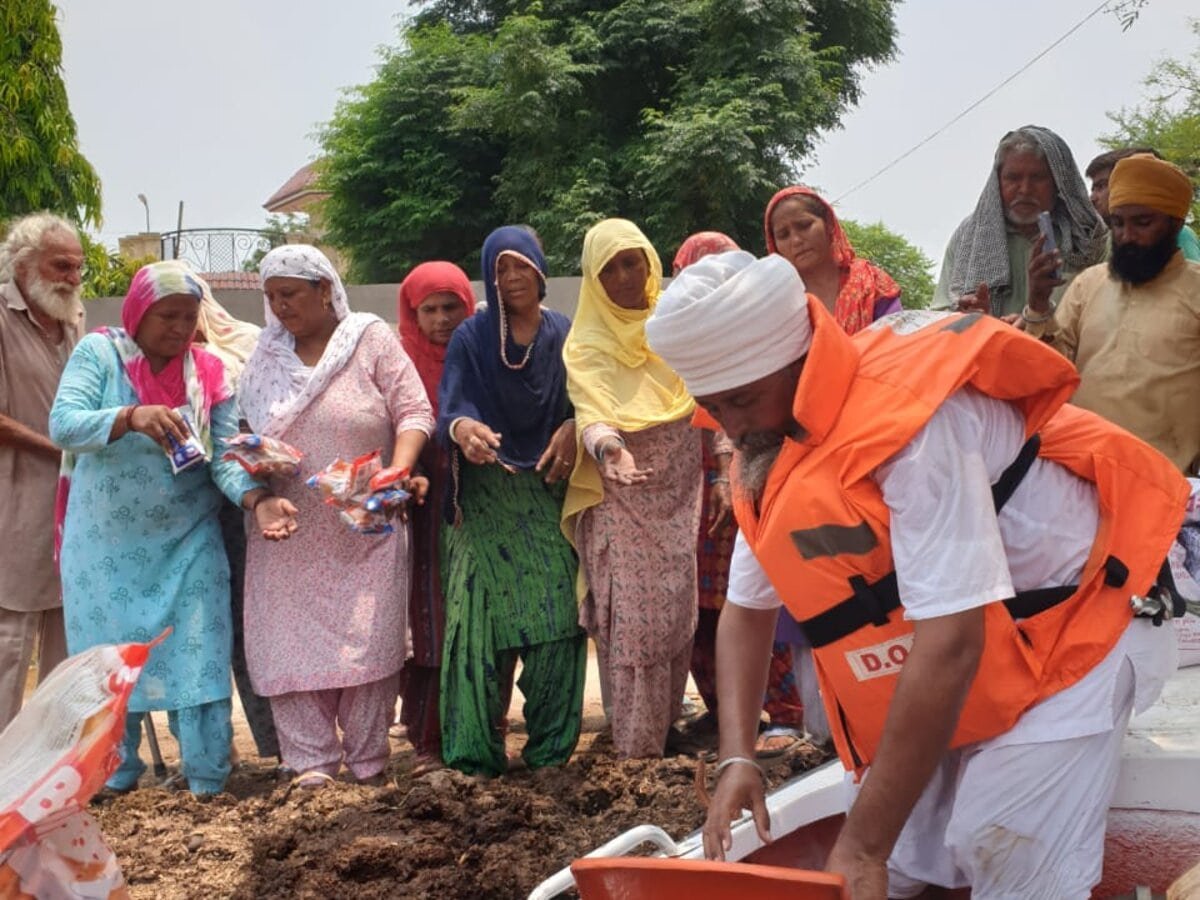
{"type": "Point", "coordinates": [232, 281]}
{"type": "Point", "coordinates": [304, 180]}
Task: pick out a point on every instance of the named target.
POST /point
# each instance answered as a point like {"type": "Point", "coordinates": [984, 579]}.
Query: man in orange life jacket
{"type": "Point", "coordinates": [961, 548]}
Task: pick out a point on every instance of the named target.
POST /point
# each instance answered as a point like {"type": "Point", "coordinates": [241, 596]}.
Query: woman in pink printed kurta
{"type": "Point", "coordinates": [325, 610]}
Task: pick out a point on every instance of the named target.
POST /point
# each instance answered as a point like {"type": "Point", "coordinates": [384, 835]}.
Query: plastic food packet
{"type": "Point", "coordinates": [188, 453]}
{"type": "Point", "coordinates": [263, 457]}
{"type": "Point", "coordinates": [364, 492]}
{"type": "Point", "coordinates": [54, 756]}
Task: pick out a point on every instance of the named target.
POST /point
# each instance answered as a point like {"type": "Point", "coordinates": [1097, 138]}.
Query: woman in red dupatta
{"type": "Point", "coordinates": [803, 228]}
{"type": "Point", "coordinates": [434, 299]}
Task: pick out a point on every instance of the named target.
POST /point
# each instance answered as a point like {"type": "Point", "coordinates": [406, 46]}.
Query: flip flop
{"type": "Point", "coordinates": [311, 780]}
{"type": "Point", "coordinates": [776, 741]}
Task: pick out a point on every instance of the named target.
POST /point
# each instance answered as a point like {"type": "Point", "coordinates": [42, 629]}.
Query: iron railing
{"type": "Point", "coordinates": [219, 249]}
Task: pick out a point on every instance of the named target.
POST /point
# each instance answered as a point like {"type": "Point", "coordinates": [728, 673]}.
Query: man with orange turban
{"type": "Point", "coordinates": [1132, 327]}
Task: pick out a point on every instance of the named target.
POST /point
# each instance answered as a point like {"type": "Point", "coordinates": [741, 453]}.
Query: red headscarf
{"type": "Point", "coordinates": [862, 283]}
{"type": "Point", "coordinates": [429, 278]}
{"type": "Point", "coordinates": [700, 245]}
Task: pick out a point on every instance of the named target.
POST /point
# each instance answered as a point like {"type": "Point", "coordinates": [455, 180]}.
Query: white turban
{"type": "Point", "coordinates": [730, 319]}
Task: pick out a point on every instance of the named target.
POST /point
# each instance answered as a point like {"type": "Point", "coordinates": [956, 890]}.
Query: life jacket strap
{"type": "Point", "coordinates": [872, 602]}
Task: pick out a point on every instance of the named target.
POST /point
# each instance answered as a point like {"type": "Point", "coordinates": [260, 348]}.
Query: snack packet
{"type": "Point", "coordinates": [263, 457]}
{"type": "Point", "coordinates": [364, 492]}
{"type": "Point", "coordinates": [190, 452]}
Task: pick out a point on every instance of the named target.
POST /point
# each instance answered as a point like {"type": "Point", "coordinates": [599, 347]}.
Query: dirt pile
{"type": "Point", "coordinates": [442, 835]}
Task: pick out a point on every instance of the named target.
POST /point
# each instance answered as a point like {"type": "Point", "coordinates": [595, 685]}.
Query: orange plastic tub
{"type": "Point", "coordinates": [621, 878]}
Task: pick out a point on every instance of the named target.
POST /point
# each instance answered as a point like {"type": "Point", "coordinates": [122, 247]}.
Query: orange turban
{"type": "Point", "coordinates": [1143, 180]}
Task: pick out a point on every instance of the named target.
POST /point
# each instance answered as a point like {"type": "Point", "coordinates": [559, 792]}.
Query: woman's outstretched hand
{"type": "Point", "coordinates": [619, 466]}
{"type": "Point", "coordinates": [276, 518]}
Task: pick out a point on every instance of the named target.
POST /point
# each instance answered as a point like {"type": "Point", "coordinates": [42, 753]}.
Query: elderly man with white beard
{"type": "Point", "coordinates": [41, 320]}
{"type": "Point", "coordinates": [962, 549]}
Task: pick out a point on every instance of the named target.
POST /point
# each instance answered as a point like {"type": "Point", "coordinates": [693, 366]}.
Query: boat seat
{"type": "Point", "coordinates": [624, 878]}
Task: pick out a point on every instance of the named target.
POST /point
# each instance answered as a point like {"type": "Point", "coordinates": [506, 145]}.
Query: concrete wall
{"type": "Point", "coordinates": [562, 294]}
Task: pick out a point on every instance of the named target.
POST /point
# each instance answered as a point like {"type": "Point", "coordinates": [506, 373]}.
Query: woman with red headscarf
{"type": "Point", "coordinates": [141, 546]}
{"type": "Point", "coordinates": [802, 228]}
{"type": "Point", "coordinates": [434, 299]}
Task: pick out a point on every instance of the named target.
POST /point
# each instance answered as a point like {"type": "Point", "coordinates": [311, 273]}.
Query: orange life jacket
{"type": "Point", "coordinates": [821, 530]}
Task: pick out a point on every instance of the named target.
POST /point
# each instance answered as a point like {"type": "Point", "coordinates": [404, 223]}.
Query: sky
{"type": "Point", "coordinates": [217, 104]}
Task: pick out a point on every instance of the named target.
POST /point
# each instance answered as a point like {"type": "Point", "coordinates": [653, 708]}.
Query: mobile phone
{"type": "Point", "coordinates": [1049, 245]}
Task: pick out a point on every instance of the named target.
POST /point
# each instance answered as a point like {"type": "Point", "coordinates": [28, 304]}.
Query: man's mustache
{"type": "Point", "coordinates": [759, 441]}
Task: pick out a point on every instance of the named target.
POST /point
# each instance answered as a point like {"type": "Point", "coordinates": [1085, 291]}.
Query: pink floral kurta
{"type": "Point", "coordinates": [327, 608]}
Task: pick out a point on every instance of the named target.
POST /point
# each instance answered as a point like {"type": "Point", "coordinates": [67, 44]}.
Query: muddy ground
{"type": "Point", "coordinates": [442, 835]}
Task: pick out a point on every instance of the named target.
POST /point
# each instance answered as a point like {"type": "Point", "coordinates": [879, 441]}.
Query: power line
{"type": "Point", "coordinates": [907, 153]}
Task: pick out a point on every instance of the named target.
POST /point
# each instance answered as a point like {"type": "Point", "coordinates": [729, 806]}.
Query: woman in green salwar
{"type": "Point", "coordinates": [507, 572]}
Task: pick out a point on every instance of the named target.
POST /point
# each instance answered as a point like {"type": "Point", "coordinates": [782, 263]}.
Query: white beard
{"type": "Point", "coordinates": [59, 301]}
{"type": "Point", "coordinates": [754, 465]}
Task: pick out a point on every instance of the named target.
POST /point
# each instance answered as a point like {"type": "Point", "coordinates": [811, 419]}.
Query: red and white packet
{"type": "Point", "coordinates": [54, 756]}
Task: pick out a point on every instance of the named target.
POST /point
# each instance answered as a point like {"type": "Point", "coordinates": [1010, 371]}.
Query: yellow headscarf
{"type": "Point", "coordinates": [613, 376]}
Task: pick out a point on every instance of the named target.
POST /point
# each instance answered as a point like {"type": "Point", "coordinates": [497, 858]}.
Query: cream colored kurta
{"type": "Point", "coordinates": [30, 366]}
{"type": "Point", "coordinates": [1138, 353]}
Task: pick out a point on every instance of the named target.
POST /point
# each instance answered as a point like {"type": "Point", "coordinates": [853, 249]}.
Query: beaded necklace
{"type": "Point", "coordinates": [504, 338]}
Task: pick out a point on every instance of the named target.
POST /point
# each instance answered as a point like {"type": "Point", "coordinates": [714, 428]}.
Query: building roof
{"type": "Point", "coordinates": [232, 281]}
{"type": "Point", "coordinates": [299, 187]}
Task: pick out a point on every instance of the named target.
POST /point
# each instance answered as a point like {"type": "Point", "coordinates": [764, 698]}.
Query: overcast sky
{"type": "Point", "coordinates": [216, 104]}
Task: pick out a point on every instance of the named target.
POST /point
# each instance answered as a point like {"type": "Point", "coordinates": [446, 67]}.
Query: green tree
{"type": "Point", "coordinates": [682, 115]}
{"type": "Point", "coordinates": [40, 163]}
{"type": "Point", "coordinates": [106, 272]}
{"type": "Point", "coordinates": [1169, 120]}
{"type": "Point", "coordinates": [905, 262]}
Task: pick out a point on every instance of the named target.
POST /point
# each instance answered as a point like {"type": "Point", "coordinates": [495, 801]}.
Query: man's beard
{"type": "Point", "coordinates": [756, 454]}
{"type": "Point", "coordinates": [1135, 264]}
{"type": "Point", "coordinates": [1017, 219]}
{"type": "Point", "coordinates": [59, 301]}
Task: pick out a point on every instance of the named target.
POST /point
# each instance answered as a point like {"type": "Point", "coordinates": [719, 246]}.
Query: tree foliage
{"type": "Point", "coordinates": [40, 163]}
{"type": "Point", "coordinates": [682, 115]}
{"type": "Point", "coordinates": [905, 262]}
{"type": "Point", "coordinates": [106, 272]}
{"type": "Point", "coordinates": [1169, 120]}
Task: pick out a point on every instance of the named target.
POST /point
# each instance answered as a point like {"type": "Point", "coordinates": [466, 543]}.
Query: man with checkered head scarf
{"type": "Point", "coordinates": [997, 261]}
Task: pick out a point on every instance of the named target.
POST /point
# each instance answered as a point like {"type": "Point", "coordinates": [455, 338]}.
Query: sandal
{"type": "Point", "coordinates": [776, 741]}
{"type": "Point", "coordinates": [311, 780]}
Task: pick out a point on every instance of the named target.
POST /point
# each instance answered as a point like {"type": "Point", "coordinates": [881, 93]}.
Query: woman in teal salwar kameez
{"type": "Point", "coordinates": [141, 548]}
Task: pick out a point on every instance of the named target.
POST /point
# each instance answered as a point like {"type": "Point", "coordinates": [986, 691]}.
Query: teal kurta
{"type": "Point", "coordinates": [142, 547]}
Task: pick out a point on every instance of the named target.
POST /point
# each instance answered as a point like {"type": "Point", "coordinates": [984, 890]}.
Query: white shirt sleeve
{"type": "Point", "coordinates": [748, 583]}
{"type": "Point", "coordinates": [946, 540]}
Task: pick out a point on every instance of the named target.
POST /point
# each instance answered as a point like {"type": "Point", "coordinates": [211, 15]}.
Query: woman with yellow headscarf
{"type": "Point", "coordinates": [633, 505]}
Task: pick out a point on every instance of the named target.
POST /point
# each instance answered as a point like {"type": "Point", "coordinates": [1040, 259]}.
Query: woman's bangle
{"type": "Point", "coordinates": [735, 760]}
{"type": "Point", "coordinates": [128, 417]}
{"type": "Point", "coordinates": [721, 479]}
{"type": "Point", "coordinates": [1036, 318]}
{"type": "Point", "coordinates": [605, 443]}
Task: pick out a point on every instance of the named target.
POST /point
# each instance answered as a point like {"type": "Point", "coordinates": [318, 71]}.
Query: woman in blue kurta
{"type": "Point", "coordinates": [141, 547]}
